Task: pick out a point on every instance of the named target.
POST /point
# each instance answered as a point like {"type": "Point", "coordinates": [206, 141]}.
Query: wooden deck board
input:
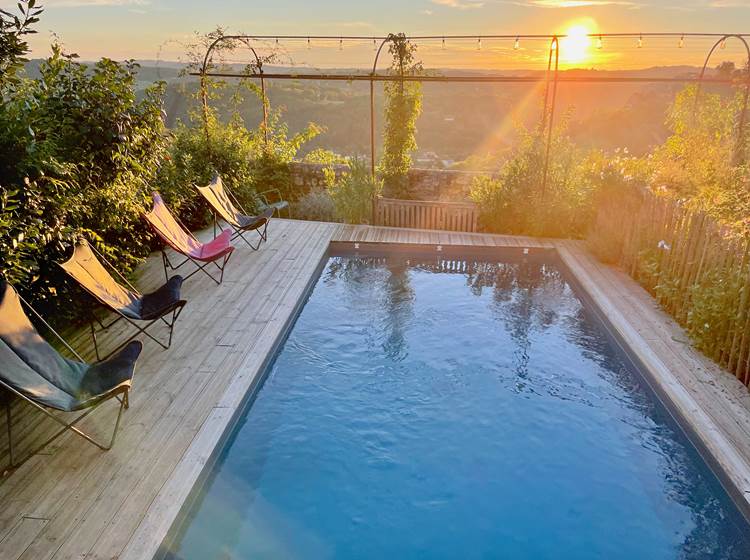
{"type": "Point", "coordinates": [73, 501]}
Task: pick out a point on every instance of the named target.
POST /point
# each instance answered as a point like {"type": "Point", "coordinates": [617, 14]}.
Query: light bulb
{"type": "Point", "coordinates": [341, 44]}
{"type": "Point", "coordinates": [682, 42]}
{"type": "Point", "coordinates": [517, 44]}
{"type": "Point", "coordinates": [479, 44]}
{"type": "Point", "coordinates": [640, 42]}
{"type": "Point", "coordinates": [443, 43]}
{"type": "Point", "coordinates": [308, 42]}
{"type": "Point", "coordinates": [599, 43]}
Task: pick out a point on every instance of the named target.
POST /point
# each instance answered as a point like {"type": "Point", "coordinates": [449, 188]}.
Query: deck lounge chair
{"type": "Point", "coordinates": [129, 304]}
{"type": "Point", "coordinates": [179, 238]}
{"type": "Point", "coordinates": [272, 199]}
{"type": "Point", "coordinates": [34, 371]}
{"type": "Point", "coordinates": [226, 207]}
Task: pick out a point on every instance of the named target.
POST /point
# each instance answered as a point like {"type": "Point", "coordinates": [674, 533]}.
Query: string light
{"type": "Point", "coordinates": [517, 44]}
{"type": "Point", "coordinates": [479, 44]}
{"type": "Point", "coordinates": [599, 43]}
{"type": "Point", "coordinates": [682, 42]}
{"type": "Point", "coordinates": [640, 42]}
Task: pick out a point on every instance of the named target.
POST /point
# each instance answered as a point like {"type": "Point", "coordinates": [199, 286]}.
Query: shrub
{"type": "Point", "coordinates": [516, 202]}
{"type": "Point", "coordinates": [249, 160]}
{"type": "Point", "coordinates": [78, 155]}
{"type": "Point", "coordinates": [316, 205]}
{"type": "Point", "coordinates": [353, 193]}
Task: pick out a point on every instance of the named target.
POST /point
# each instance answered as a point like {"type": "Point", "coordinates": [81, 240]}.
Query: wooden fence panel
{"type": "Point", "coordinates": [426, 214]}
{"type": "Point", "coordinates": [696, 268]}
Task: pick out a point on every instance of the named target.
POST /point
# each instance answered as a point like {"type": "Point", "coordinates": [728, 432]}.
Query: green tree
{"type": "Point", "coordinates": [403, 105]}
{"type": "Point", "coordinates": [13, 31]}
{"type": "Point", "coordinates": [78, 154]}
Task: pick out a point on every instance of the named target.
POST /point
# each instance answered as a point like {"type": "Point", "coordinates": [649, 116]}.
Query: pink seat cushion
{"type": "Point", "coordinates": [214, 249]}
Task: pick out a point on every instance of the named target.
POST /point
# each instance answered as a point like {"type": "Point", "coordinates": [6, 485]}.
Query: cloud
{"type": "Point", "coordinates": [459, 4]}
{"type": "Point", "coordinates": [83, 3]}
{"type": "Point", "coordinates": [729, 4]}
{"type": "Point", "coordinates": [577, 3]}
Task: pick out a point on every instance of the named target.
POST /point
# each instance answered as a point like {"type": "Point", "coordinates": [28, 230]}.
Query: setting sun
{"type": "Point", "coordinates": [576, 44]}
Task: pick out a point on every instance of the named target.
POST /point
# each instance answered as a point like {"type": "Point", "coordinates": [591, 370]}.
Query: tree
{"type": "Point", "coordinates": [13, 30]}
{"type": "Point", "coordinates": [403, 107]}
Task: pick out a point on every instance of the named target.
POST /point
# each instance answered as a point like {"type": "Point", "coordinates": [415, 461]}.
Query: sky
{"type": "Point", "coordinates": [150, 29]}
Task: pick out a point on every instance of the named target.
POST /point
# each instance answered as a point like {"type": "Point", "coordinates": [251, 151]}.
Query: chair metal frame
{"type": "Point", "coordinates": [121, 394]}
{"type": "Point", "coordinates": [288, 206]}
{"type": "Point", "coordinates": [175, 309]}
{"type": "Point", "coordinates": [201, 267]}
{"type": "Point", "coordinates": [239, 232]}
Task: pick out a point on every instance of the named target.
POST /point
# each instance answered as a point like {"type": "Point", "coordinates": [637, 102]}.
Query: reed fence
{"type": "Point", "coordinates": [696, 268]}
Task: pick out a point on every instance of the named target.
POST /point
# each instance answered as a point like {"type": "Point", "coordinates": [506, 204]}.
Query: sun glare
{"type": "Point", "coordinates": [575, 46]}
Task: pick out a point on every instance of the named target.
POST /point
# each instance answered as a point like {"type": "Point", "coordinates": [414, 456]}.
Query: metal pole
{"type": "Point", "coordinates": [372, 128]}
{"type": "Point", "coordinates": [374, 201]}
{"type": "Point", "coordinates": [265, 107]}
{"type": "Point", "coordinates": [740, 147]}
{"type": "Point", "coordinates": [556, 46]}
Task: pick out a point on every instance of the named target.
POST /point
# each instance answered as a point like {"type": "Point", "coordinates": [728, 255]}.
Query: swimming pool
{"type": "Point", "coordinates": [427, 406]}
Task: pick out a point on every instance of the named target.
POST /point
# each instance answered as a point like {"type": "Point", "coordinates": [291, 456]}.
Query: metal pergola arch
{"type": "Point", "coordinates": [551, 78]}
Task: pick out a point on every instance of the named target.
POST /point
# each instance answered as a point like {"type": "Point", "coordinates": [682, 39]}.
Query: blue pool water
{"type": "Point", "coordinates": [456, 409]}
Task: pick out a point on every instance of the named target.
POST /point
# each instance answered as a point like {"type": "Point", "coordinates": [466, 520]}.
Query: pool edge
{"type": "Point", "coordinates": [718, 453]}
{"type": "Point", "coordinates": [708, 439]}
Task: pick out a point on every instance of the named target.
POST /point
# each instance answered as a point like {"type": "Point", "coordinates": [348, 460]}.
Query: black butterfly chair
{"type": "Point", "coordinates": [225, 206]}
{"type": "Point", "coordinates": [127, 303]}
{"type": "Point", "coordinates": [34, 371]}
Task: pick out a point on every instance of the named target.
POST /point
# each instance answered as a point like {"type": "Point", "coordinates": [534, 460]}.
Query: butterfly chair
{"type": "Point", "coordinates": [226, 207]}
{"type": "Point", "coordinates": [179, 238]}
{"type": "Point", "coordinates": [34, 371]}
{"type": "Point", "coordinates": [129, 304]}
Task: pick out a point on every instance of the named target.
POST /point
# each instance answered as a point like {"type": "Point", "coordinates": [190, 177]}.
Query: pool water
{"type": "Point", "coordinates": [436, 408]}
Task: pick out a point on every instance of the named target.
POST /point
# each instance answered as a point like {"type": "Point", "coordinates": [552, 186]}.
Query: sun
{"type": "Point", "coordinates": [575, 46]}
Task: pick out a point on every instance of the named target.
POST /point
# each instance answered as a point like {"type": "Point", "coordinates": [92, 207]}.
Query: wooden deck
{"type": "Point", "coordinates": [73, 501]}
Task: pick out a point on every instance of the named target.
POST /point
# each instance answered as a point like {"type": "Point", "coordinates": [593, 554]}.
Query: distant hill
{"type": "Point", "coordinates": [458, 120]}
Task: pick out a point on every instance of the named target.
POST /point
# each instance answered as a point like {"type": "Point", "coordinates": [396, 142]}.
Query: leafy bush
{"type": "Point", "coordinates": [13, 47]}
{"type": "Point", "coordinates": [78, 155]}
{"type": "Point", "coordinates": [317, 205]}
{"type": "Point", "coordinates": [518, 203]}
{"type": "Point", "coordinates": [704, 161]}
{"type": "Point", "coordinates": [247, 162]}
{"type": "Point", "coordinates": [353, 193]}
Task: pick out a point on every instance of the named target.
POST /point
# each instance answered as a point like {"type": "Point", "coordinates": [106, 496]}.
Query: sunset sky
{"type": "Point", "coordinates": [147, 29]}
